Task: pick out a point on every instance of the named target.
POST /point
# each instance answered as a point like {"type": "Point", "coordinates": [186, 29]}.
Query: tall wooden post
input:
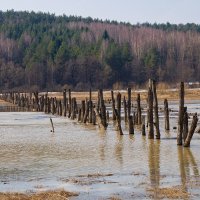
{"type": "Point", "coordinates": [155, 100]}
{"type": "Point", "coordinates": [129, 102]}
{"type": "Point", "coordinates": [125, 109]}
{"type": "Point", "coordinates": [139, 113]}
{"type": "Point", "coordinates": [150, 113]}
{"type": "Point", "coordinates": [64, 103]}
{"type": "Point", "coordinates": [70, 104]}
{"type": "Point", "coordinates": [181, 114]}
{"type": "Point", "coordinates": [113, 105]}
{"type": "Point", "coordinates": [166, 114]}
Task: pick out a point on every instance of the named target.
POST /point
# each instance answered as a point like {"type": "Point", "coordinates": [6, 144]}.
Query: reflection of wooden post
{"type": "Point", "coordinates": [150, 114]}
{"type": "Point", "coordinates": [191, 132]}
{"type": "Point", "coordinates": [181, 113]}
{"type": "Point", "coordinates": [154, 165]}
{"type": "Point", "coordinates": [166, 114]}
{"type": "Point", "coordinates": [155, 100]}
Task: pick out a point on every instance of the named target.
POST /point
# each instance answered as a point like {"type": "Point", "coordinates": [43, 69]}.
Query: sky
{"type": "Point", "coordinates": [132, 11]}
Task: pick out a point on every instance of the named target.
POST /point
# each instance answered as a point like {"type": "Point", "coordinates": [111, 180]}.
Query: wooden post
{"type": "Point", "coordinates": [113, 105]}
{"type": "Point", "coordinates": [60, 107]}
{"type": "Point", "coordinates": [118, 122]}
{"type": "Point", "coordinates": [102, 108]}
{"type": "Point", "coordinates": [99, 119]}
{"type": "Point", "coordinates": [191, 132]}
{"type": "Point", "coordinates": [185, 124]}
{"type": "Point", "coordinates": [131, 125]}
{"type": "Point", "coordinates": [82, 110]}
{"type": "Point", "coordinates": [143, 125]}
{"type": "Point", "coordinates": [119, 105]}
{"type": "Point", "coordinates": [70, 104]}
{"type": "Point", "coordinates": [166, 114]}
{"type": "Point", "coordinates": [52, 125]}
{"type": "Point", "coordinates": [94, 117]}
{"type": "Point", "coordinates": [86, 112]}
{"type": "Point", "coordinates": [64, 103]}
{"type": "Point", "coordinates": [155, 102]}
{"type": "Point", "coordinates": [79, 114]}
{"type": "Point", "coordinates": [129, 102]}
{"type": "Point", "coordinates": [150, 113]}
{"type": "Point", "coordinates": [139, 113]}
{"type": "Point", "coordinates": [181, 114]}
{"type": "Point", "coordinates": [125, 109]}
{"type": "Point", "coordinates": [107, 116]}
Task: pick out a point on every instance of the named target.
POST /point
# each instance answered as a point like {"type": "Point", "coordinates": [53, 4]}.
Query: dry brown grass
{"type": "Point", "coordinates": [190, 94]}
{"type": "Point", "coordinates": [170, 193]}
{"type": "Point", "coordinates": [48, 195]}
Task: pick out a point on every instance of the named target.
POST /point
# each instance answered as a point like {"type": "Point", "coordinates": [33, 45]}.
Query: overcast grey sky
{"type": "Point", "coordinates": [133, 11]}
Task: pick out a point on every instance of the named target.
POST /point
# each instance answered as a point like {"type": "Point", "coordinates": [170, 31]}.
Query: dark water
{"type": "Point", "coordinates": [97, 164]}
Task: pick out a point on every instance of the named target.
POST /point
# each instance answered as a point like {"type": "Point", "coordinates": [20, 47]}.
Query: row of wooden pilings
{"type": "Point", "coordinates": [94, 112]}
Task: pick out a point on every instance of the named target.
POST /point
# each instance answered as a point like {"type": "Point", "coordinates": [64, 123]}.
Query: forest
{"type": "Point", "coordinates": [47, 52]}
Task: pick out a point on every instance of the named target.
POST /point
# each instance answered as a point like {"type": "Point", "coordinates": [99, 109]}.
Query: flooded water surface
{"type": "Point", "coordinates": [97, 164]}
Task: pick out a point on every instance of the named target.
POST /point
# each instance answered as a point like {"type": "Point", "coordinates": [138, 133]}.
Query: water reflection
{"type": "Point", "coordinates": [154, 163]}
{"type": "Point", "coordinates": [187, 163]}
{"type": "Point", "coordinates": [119, 149]}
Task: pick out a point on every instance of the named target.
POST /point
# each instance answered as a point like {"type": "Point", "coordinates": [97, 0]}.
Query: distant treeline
{"type": "Point", "coordinates": [44, 51]}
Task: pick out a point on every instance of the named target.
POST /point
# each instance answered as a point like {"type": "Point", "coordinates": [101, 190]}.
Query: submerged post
{"type": "Point", "coordinates": [166, 114]}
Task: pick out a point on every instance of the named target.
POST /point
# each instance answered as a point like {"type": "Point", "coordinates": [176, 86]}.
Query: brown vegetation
{"type": "Point", "coordinates": [49, 195]}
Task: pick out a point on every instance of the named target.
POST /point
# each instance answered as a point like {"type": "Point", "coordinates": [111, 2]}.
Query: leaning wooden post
{"type": "Point", "coordinates": [181, 114]}
{"type": "Point", "coordinates": [64, 103]}
{"type": "Point", "coordinates": [150, 113]}
{"type": "Point", "coordinates": [82, 110]}
{"type": "Point", "coordinates": [185, 124]}
{"type": "Point", "coordinates": [191, 132]}
{"type": "Point", "coordinates": [86, 112]}
{"type": "Point", "coordinates": [113, 105]}
{"type": "Point", "coordinates": [131, 125]}
{"type": "Point", "coordinates": [166, 114]}
{"type": "Point", "coordinates": [139, 113]}
{"type": "Point", "coordinates": [155, 102]}
{"type": "Point", "coordinates": [70, 104]}
{"type": "Point", "coordinates": [52, 125]}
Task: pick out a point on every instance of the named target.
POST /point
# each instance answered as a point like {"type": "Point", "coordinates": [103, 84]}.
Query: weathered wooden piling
{"type": "Point", "coordinates": [185, 124]}
{"type": "Point", "coordinates": [52, 125]}
{"type": "Point", "coordinates": [118, 122]}
{"type": "Point", "coordinates": [150, 113]}
{"type": "Point", "coordinates": [139, 112]}
{"type": "Point", "coordinates": [166, 115]}
{"type": "Point", "coordinates": [131, 125]}
{"type": "Point", "coordinates": [70, 103]}
{"type": "Point", "coordinates": [155, 103]}
{"type": "Point", "coordinates": [191, 132]}
{"type": "Point", "coordinates": [102, 108]}
{"type": "Point", "coordinates": [64, 103]}
{"type": "Point", "coordinates": [86, 112]}
{"type": "Point", "coordinates": [125, 109]}
{"type": "Point", "coordinates": [129, 102]}
{"type": "Point", "coordinates": [119, 105]}
{"type": "Point", "coordinates": [181, 114]}
{"type": "Point", "coordinates": [113, 106]}
{"type": "Point", "coordinates": [143, 125]}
